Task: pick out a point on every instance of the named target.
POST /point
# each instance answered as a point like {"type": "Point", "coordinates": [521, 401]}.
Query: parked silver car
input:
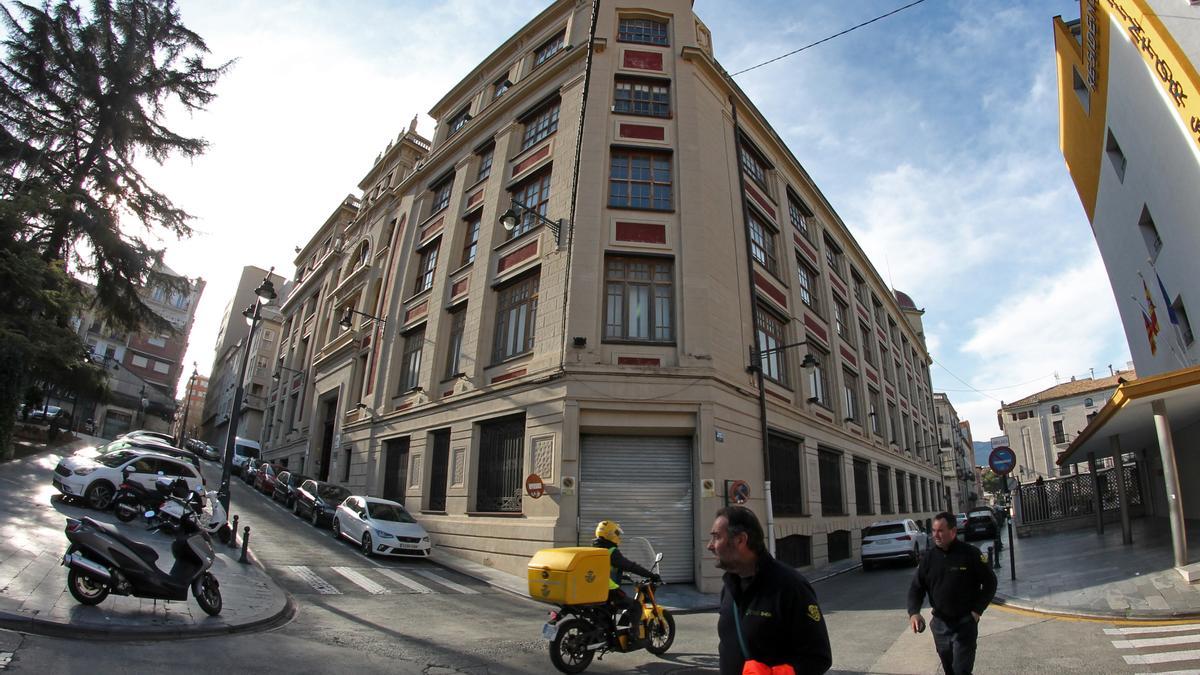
{"type": "Point", "coordinates": [893, 540]}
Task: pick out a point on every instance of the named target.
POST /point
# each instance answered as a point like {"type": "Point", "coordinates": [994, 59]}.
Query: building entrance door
{"type": "Point", "coordinates": [395, 469]}
{"type": "Point", "coordinates": [329, 410]}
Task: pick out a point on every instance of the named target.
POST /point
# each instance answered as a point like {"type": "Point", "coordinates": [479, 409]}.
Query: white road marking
{"type": "Point", "coordinates": [1174, 672]}
{"type": "Point", "coordinates": [403, 580]}
{"type": "Point", "coordinates": [432, 576]}
{"type": "Point", "coordinates": [361, 581]}
{"type": "Point", "coordinates": [319, 585]}
{"type": "Point", "coordinates": [1152, 629]}
{"type": "Point", "coordinates": [1156, 642]}
{"type": "Point", "coordinates": [1164, 657]}
{"type": "Point", "coordinates": [5, 659]}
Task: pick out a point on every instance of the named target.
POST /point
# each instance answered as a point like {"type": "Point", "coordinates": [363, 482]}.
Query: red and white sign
{"type": "Point", "coordinates": [534, 485]}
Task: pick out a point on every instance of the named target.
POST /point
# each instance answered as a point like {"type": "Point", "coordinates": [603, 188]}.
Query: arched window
{"type": "Point", "coordinates": [1054, 410]}
{"type": "Point", "coordinates": [364, 252]}
{"type": "Point", "coordinates": [1088, 402]}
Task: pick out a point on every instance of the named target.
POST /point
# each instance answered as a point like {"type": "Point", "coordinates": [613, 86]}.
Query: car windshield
{"type": "Point", "coordinates": [245, 451]}
{"type": "Point", "coordinates": [115, 459]}
{"type": "Point", "coordinates": [894, 528]}
{"type": "Point", "coordinates": [388, 512]}
{"type": "Point", "coordinates": [334, 494]}
{"type": "Point", "coordinates": [112, 446]}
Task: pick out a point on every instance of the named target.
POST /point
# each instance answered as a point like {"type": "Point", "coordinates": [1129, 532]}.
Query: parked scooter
{"type": "Point", "coordinates": [102, 561]}
{"type": "Point", "coordinates": [179, 501]}
{"type": "Point", "coordinates": [133, 498]}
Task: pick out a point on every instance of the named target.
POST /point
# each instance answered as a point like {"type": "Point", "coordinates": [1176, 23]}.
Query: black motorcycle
{"type": "Point", "coordinates": [133, 499]}
{"type": "Point", "coordinates": [102, 561]}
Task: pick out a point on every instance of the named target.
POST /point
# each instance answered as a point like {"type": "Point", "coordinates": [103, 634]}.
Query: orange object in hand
{"type": "Point", "coordinates": [760, 668]}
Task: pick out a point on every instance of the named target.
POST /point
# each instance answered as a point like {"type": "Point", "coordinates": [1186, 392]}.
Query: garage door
{"type": "Point", "coordinates": [644, 483]}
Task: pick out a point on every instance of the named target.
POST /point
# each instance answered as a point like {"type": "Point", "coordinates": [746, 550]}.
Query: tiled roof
{"type": "Point", "coordinates": [1074, 388]}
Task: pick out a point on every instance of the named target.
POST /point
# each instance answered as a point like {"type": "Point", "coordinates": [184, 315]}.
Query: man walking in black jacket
{"type": "Point", "coordinates": [769, 612]}
{"type": "Point", "coordinates": [960, 585]}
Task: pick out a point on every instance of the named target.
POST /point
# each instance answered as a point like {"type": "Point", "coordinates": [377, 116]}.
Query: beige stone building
{"type": "Point", "coordinates": [603, 344]}
{"type": "Point", "coordinates": [956, 454]}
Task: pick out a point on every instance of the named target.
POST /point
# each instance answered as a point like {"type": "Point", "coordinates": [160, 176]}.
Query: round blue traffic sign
{"type": "Point", "coordinates": [1002, 460]}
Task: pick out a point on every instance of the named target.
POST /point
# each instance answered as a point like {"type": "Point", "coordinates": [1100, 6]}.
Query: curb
{"type": "Point", "coordinates": [1095, 614]}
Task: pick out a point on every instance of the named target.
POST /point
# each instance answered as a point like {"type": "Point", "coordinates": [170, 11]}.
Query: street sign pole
{"type": "Point", "coordinates": [1003, 460]}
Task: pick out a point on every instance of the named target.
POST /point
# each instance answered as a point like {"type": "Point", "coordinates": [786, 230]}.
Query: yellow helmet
{"type": "Point", "coordinates": [609, 530]}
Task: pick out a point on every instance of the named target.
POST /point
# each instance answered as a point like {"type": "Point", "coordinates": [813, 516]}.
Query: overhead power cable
{"type": "Point", "coordinates": [827, 39]}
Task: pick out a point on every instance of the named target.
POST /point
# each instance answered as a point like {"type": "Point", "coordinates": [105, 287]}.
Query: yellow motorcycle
{"type": "Point", "coordinates": [584, 625]}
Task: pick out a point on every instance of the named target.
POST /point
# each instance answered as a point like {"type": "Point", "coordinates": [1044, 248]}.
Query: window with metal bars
{"type": "Point", "coordinates": [901, 497]}
{"type": "Point", "coordinates": [501, 465]}
{"type": "Point", "coordinates": [829, 465]}
{"type": "Point", "coordinates": [787, 494]}
{"type": "Point", "coordinates": [862, 487]}
{"type": "Point", "coordinates": [439, 463]}
{"type": "Point", "coordinates": [885, 490]}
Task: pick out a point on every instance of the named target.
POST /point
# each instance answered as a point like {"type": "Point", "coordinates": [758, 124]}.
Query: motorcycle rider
{"type": "Point", "coordinates": [608, 536]}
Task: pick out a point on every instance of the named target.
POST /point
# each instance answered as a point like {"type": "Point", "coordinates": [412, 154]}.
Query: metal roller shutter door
{"type": "Point", "coordinates": [644, 483]}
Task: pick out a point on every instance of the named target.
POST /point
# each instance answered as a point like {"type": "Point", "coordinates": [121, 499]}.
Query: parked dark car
{"type": "Point", "coordinates": [264, 480]}
{"type": "Point", "coordinates": [286, 484]}
{"type": "Point", "coordinates": [317, 500]}
{"type": "Point", "coordinates": [981, 524]}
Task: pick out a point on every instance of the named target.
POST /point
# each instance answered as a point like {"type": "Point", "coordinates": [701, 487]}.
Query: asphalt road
{"type": "Point", "coordinates": [413, 616]}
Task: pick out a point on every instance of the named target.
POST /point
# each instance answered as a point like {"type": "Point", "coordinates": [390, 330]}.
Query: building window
{"type": "Point", "coordinates": [794, 550]}
{"type": "Point", "coordinates": [874, 411]}
{"type": "Point", "coordinates": [787, 495]}
{"type": "Point", "coordinates": [840, 323]}
{"type": "Point", "coordinates": [643, 31]}
{"type": "Point", "coordinates": [640, 180]}
{"type": "Point", "coordinates": [762, 243]}
{"type": "Point", "coordinates": [540, 123]}
{"type": "Point", "coordinates": [1055, 409]}
{"type": "Point", "coordinates": [458, 326]}
{"type": "Point", "coordinates": [830, 473]}
{"type": "Point", "coordinates": [877, 309]}
{"type": "Point", "coordinates": [162, 367]}
{"type": "Point", "coordinates": [501, 465]}
{"type": "Point", "coordinates": [535, 194]}
{"type": "Point", "coordinates": [868, 345]}
{"type": "Point", "coordinates": [806, 277]}
{"type": "Point", "coordinates": [862, 487]}
{"type": "Point", "coordinates": [471, 239]}
{"type": "Point", "coordinates": [850, 396]}
{"type": "Point", "coordinates": [1154, 243]}
{"type": "Point", "coordinates": [833, 256]}
{"type": "Point", "coordinates": [516, 312]}
{"type": "Point", "coordinates": [501, 85]}
{"type": "Point", "coordinates": [891, 409]}
{"type": "Point", "coordinates": [799, 215]}
{"type": "Point", "coordinates": [1081, 90]}
{"type": "Point", "coordinates": [548, 49]}
{"type": "Point", "coordinates": [860, 286]}
{"type": "Point", "coordinates": [754, 165]}
{"type": "Point", "coordinates": [1060, 436]}
{"type": "Point", "coordinates": [1181, 317]}
{"type": "Point", "coordinates": [1087, 402]}
{"type": "Point", "coordinates": [772, 360]}
{"type": "Point", "coordinates": [818, 386]}
{"type": "Point", "coordinates": [441, 194]}
{"type": "Point", "coordinates": [140, 361]}
{"type": "Point", "coordinates": [426, 266]}
{"type": "Point", "coordinates": [1113, 150]}
{"type": "Point", "coordinates": [901, 493]}
{"type": "Point", "coordinates": [642, 97]}
{"type": "Point", "coordinates": [885, 491]}
{"type": "Point", "coordinates": [459, 121]}
{"type": "Point", "coordinates": [439, 463]}
{"type": "Point", "coordinates": [410, 365]}
{"type": "Point", "coordinates": [640, 299]}
{"type": "Point", "coordinates": [485, 162]}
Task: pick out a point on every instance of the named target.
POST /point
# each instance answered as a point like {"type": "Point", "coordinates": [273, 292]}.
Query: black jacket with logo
{"type": "Point", "coordinates": [958, 581]}
{"type": "Point", "coordinates": [618, 562]}
{"type": "Point", "coordinates": [780, 618]}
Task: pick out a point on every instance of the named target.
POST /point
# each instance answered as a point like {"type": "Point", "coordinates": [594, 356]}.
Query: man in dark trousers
{"type": "Point", "coordinates": [960, 585]}
{"type": "Point", "coordinates": [769, 612]}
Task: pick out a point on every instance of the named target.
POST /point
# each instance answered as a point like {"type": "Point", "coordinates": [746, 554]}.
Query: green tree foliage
{"type": "Point", "coordinates": [83, 98]}
{"type": "Point", "coordinates": [992, 483]}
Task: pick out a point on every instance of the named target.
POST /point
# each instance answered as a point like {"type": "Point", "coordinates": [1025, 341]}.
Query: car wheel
{"type": "Point", "coordinates": [314, 517]}
{"type": "Point", "coordinates": [99, 495]}
{"type": "Point", "coordinates": [337, 528]}
{"type": "Point", "coordinates": [916, 554]}
{"type": "Point", "coordinates": [368, 546]}
{"type": "Point", "coordinates": [295, 508]}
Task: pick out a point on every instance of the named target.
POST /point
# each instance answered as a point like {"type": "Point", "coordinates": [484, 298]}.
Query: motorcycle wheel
{"type": "Point", "coordinates": [208, 594]}
{"type": "Point", "coordinates": [84, 589]}
{"type": "Point", "coordinates": [661, 634]}
{"type": "Point", "coordinates": [568, 649]}
{"type": "Point", "coordinates": [124, 515]}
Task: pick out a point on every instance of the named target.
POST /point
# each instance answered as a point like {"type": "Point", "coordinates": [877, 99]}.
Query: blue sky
{"type": "Point", "coordinates": [934, 134]}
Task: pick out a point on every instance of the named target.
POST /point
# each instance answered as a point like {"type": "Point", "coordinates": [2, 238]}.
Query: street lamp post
{"type": "Point", "coordinates": [265, 293]}
{"type": "Point", "coordinates": [757, 356]}
{"type": "Point", "coordinates": [187, 404]}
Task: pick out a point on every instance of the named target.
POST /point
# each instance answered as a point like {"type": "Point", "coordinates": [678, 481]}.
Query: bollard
{"type": "Point", "coordinates": [233, 533]}
{"type": "Point", "coordinates": [245, 543]}
{"type": "Point", "coordinates": [991, 555]}
{"type": "Point", "coordinates": [994, 553]}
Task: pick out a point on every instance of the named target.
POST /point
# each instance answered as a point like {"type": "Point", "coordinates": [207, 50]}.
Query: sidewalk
{"type": "Point", "coordinates": [33, 583]}
{"type": "Point", "coordinates": [1083, 574]}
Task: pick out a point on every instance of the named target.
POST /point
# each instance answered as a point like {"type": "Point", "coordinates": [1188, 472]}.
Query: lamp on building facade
{"type": "Point", "coordinates": [347, 320]}
{"type": "Point", "coordinates": [265, 293]}
{"type": "Point", "coordinates": [511, 218]}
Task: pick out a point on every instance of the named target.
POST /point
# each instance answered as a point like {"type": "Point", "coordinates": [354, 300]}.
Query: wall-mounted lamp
{"type": "Point", "coordinates": [511, 218]}
{"type": "Point", "coordinates": [347, 320]}
{"type": "Point", "coordinates": [275, 375]}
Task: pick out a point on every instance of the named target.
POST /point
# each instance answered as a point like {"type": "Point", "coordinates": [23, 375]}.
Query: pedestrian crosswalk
{"type": "Point", "coordinates": [1154, 648]}
{"type": "Point", "coordinates": [342, 580]}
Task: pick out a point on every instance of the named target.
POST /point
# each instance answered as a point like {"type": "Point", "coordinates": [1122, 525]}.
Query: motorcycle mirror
{"type": "Point", "coordinates": [160, 473]}
{"type": "Point", "coordinates": [658, 557]}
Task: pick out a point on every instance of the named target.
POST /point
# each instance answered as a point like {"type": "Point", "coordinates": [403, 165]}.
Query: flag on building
{"type": "Point", "coordinates": [1167, 299]}
{"type": "Point", "coordinates": [1153, 318]}
{"type": "Point", "coordinates": [1151, 331]}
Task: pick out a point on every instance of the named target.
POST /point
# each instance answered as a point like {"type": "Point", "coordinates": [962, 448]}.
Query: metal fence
{"type": "Point", "coordinates": [1072, 496]}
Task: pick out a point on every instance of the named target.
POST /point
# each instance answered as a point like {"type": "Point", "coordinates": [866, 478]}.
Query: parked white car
{"type": "Point", "coordinates": [893, 540]}
{"type": "Point", "coordinates": [95, 479]}
{"type": "Point", "coordinates": [381, 527]}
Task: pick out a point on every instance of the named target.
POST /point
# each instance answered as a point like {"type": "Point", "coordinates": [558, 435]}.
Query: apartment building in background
{"type": "Point", "coordinates": [223, 374]}
{"type": "Point", "coordinates": [569, 281]}
{"type": "Point", "coordinates": [195, 388]}
{"type": "Point", "coordinates": [143, 367]}
{"type": "Point", "coordinates": [956, 456]}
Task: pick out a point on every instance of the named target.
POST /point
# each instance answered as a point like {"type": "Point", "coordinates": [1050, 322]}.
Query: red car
{"type": "Point", "coordinates": [264, 480]}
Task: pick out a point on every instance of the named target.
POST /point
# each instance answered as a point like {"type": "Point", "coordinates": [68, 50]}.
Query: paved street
{"type": "Point", "coordinates": [415, 616]}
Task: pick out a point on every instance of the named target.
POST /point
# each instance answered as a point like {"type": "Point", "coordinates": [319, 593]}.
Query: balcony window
{"type": "Point", "coordinates": [516, 314]}
{"type": "Point", "coordinates": [410, 369]}
{"type": "Point", "coordinates": [770, 336]}
{"type": "Point", "coordinates": [458, 326]}
{"type": "Point", "coordinates": [426, 266]}
{"type": "Point", "coordinates": [762, 243]}
{"type": "Point", "coordinates": [471, 239]}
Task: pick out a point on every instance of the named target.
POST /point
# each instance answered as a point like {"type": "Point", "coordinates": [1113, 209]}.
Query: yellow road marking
{"type": "Point", "coordinates": [1088, 619]}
